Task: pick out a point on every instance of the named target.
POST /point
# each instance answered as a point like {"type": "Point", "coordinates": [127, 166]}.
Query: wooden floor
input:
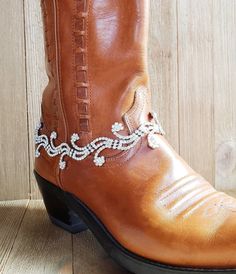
{"type": "Point", "coordinates": [29, 243]}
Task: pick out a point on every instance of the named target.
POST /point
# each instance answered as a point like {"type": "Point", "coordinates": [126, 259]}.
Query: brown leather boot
{"type": "Point", "coordinates": [102, 161]}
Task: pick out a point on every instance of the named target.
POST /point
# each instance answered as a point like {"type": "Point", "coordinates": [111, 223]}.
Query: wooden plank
{"type": "Point", "coordinates": [196, 120]}
{"type": "Point", "coordinates": [225, 95]}
{"type": "Point", "coordinates": [11, 215]}
{"type": "Point", "coordinates": [40, 247]}
{"type": "Point", "coordinates": [163, 65]}
{"type": "Point", "coordinates": [14, 178]}
{"type": "Point", "coordinates": [89, 256]}
{"type": "Point", "coordinates": [36, 75]}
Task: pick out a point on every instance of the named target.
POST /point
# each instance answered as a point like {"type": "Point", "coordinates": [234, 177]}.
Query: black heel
{"type": "Point", "coordinates": [59, 212]}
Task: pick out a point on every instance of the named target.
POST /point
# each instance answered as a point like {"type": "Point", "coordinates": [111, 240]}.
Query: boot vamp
{"type": "Point", "coordinates": [157, 207]}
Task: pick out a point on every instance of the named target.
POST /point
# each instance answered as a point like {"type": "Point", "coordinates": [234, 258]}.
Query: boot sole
{"type": "Point", "coordinates": [69, 213]}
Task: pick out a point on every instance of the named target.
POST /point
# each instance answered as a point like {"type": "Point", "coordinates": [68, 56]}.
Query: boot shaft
{"type": "Point", "coordinates": [96, 59]}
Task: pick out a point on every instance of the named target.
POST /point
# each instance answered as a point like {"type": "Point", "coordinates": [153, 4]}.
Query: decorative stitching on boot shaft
{"type": "Point", "coordinates": [80, 63]}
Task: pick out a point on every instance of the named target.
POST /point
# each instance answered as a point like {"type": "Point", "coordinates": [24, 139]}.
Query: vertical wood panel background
{"type": "Point", "coordinates": [196, 120]}
{"type": "Point", "coordinates": [14, 160]}
{"type": "Point", "coordinates": [224, 59]}
{"type": "Point", "coordinates": [192, 64]}
{"type": "Point", "coordinates": [36, 76]}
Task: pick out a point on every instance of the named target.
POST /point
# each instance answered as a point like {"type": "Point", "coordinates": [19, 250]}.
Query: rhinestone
{"type": "Point", "coordinates": [153, 141]}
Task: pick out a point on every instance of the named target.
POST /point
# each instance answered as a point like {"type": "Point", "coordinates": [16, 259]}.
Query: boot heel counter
{"type": "Point", "coordinates": [46, 166]}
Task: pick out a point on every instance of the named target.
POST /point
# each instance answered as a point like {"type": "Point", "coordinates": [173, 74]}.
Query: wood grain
{"type": "Point", "coordinates": [163, 66]}
{"type": "Point", "coordinates": [40, 247]}
{"type": "Point", "coordinates": [89, 257]}
{"type": "Point", "coordinates": [36, 75]}
{"type": "Point", "coordinates": [14, 177]}
{"type": "Point", "coordinates": [11, 215]}
{"type": "Point", "coordinates": [225, 92]}
{"type": "Point", "coordinates": [36, 246]}
{"type": "Point", "coordinates": [196, 120]}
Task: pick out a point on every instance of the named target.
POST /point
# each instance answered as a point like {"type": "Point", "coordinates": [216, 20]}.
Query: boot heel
{"type": "Point", "coordinates": [59, 212]}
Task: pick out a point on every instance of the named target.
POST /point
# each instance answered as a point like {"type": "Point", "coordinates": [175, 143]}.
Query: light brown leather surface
{"type": "Point", "coordinates": [151, 201]}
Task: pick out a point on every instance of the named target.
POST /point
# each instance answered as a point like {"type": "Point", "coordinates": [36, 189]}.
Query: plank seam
{"type": "Point", "coordinates": [178, 85]}
{"type": "Point", "coordinates": [27, 103]}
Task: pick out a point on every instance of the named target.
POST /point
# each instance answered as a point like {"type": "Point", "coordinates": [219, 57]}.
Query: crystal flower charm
{"type": "Point", "coordinates": [117, 127]}
{"type": "Point", "coordinates": [99, 161]}
{"type": "Point", "coordinates": [121, 142]}
{"type": "Point", "coordinates": [153, 141]}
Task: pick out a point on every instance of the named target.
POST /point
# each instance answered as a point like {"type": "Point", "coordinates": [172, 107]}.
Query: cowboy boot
{"type": "Point", "coordinates": [102, 161]}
